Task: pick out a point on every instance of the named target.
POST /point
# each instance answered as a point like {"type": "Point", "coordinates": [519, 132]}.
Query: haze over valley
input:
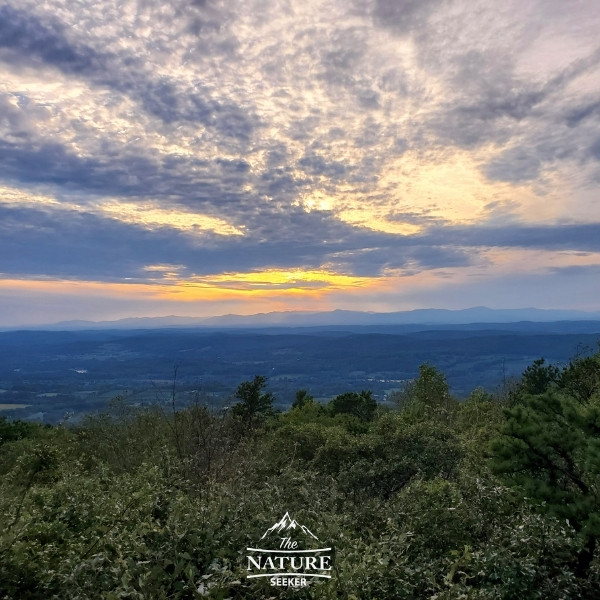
{"type": "Point", "coordinates": [48, 375]}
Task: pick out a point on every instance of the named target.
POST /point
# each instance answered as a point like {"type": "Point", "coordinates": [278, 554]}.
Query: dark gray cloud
{"type": "Point", "coordinates": [173, 103]}
{"type": "Point", "coordinates": [76, 244]}
{"type": "Point", "coordinates": [492, 103]}
{"type": "Point", "coordinates": [79, 245]}
{"type": "Point", "coordinates": [582, 236]}
{"type": "Point", "coordinates": [595, 149]}
{"type": "Point", "coordinates": [404, 16]}
{"type": "Point", "coordinates": [589, 110]}
{"type": "Point", "coordinates": [314, 164]}
{"type": "Point", "coordinates": [54, 164]}
{"type": "Point", "coordinates": [205, 185]}
{"type": "Point", "coordinates": [24, 38]}
{"type": "Point", "coordinates": [514, 165]}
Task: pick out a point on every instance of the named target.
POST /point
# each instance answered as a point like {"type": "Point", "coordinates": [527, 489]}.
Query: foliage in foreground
{"type": "Point", "coordinates": [487, 498]}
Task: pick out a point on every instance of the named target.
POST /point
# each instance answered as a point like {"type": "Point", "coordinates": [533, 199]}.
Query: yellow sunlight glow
{"type": "Point", "coordinates": [150, 215]}
{"type": "Point", "coordinates": [213, 287]}
{"type": "Point", "coordinates": [451, 188]}
{"type": "Point", "coordinates": [294, 279]}
{"type": "Point", "coordinates": [11, 195]}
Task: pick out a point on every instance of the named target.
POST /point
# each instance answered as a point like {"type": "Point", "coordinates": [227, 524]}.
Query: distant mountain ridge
{"type": "Point", "coordinates": [424, 316]}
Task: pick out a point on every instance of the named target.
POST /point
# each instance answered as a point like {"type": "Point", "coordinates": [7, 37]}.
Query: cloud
{"type": "Point", "coordinates": [316, 165]}
{"type": "Point", "coordinates": [73, 244]}
{"type": "Point", "coordinates": [118, 242]}
{"type": "Point", "coordinates": [28, 40]}
{"type": "Point", "coordinates": [588, 110]}
{"type": "Point", "coordinates": [591, 271]}
{"type": "Point", "coordinates": [54, 164]}
{"type": "Point", "coordinates": [584, 237]}
{"type": "Point", "coordinates": [595, 149]}
{"type": "Point", "coordinates": [404, 16]}
{"type": "Point", "coordinates": [515, 165]}
{"type": "Point", "coordinates": [359, 138]}
{"type": "Point", "coordinates": [25, 39]}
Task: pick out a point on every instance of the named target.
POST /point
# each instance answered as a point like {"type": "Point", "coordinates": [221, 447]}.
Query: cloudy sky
{"type": "Point", "coordinates": [204, 157]}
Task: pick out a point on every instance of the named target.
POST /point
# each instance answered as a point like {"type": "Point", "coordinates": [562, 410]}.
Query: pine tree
{"type": "Point", "coordinates": [550, 449]}
{"type": "Point", "coordinates": [254, 404]}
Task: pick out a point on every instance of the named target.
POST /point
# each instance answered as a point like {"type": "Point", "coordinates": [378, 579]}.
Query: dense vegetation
{"type": "Point", "coordinates": [487, 498]}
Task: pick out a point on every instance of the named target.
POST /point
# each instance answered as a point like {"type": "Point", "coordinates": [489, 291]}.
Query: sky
{"type": "Point", "coordinates": [204, 157]}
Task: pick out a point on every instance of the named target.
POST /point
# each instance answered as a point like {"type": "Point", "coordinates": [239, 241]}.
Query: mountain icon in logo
{"type": "Point", "coordinates": [285, 524]}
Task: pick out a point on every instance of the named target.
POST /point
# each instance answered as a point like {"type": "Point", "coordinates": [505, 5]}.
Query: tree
{"type": "Point", "coordinates": [404, 396]}
{"type": "Point", "coordinates": [536, 379]}
{"type": "Point", "coordinates": [254, 404]}
{"type": "Point", "coordinates": [14, 430]}
{"type": "Point", "coordinates": [302, 399]}
{"type": "Point", "coordinates": [431, 388]}
{"type": "Point", "coordinates": [477, 420]}
{"type": "Point", "coordinates": [550, 449]}
{"type": "Point", "coordinates": [361, 405]}
{"type": "Point", "coordinates": [427, 395]}
{"type": "Point", "coordinates": [581, 377]}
